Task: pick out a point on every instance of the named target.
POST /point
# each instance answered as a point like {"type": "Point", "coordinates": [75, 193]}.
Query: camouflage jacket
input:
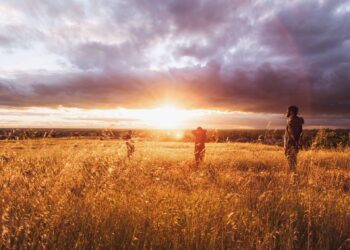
{"type": "Point", "coordinates": [293, 132]}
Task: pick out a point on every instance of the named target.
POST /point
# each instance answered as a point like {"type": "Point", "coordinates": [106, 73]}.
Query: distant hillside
{"type": "Point", "coordinates": [324, 138]}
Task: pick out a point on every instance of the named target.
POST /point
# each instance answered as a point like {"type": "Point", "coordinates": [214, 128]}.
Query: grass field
{"type": "Point", "coordinates": [85, 194]}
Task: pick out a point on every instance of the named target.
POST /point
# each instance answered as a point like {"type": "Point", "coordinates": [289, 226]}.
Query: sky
{"type": "Point", "coordinates": [174, 63]}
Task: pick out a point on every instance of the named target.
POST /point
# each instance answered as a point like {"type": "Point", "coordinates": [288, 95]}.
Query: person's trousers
{"type": "Point", "coordinates": [199, 151]}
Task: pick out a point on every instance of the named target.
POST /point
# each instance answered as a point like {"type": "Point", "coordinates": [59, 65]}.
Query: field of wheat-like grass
{"type": "Point", "coordinates": [64, 194]}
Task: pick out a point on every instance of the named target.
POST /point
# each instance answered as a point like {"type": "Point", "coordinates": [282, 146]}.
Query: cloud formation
{"type": "Point", "coordinates": [256, 56]}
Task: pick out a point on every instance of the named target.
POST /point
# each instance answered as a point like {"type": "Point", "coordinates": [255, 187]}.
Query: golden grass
{"type": "Point", "coordinates": [79, 194]}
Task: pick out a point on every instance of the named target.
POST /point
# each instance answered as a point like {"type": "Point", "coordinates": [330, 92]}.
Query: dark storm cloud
{"type": "Point", "coordinates": [321, 36]}
{"type": "Point", "coordinates": [262, 90]}
{"type": "Point", "coordinates": [184, 16]}
{"type": "Point", "coordinates": [11, 95]}
{"type": "Point", "coordinates": [317, 29]}
{"type": "Point", "coordinates": [251, 56]}
{"type": "Point", "coordinates": [149, 22]}
{"type": "Point", "coordinates": [97, 55]}
{"type": "Point", "coordinates": [86, 90]}
{"type": "Point", "coordinates": [190, 16]}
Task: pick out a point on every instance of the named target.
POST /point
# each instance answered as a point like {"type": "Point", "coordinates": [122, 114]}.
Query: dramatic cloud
{"type": "Point", "coordinates": [255, 56]}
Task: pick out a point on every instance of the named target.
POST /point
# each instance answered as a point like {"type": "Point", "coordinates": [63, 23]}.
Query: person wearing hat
{"type": "Point", "coordinates": [200, 135]}
{"type": "Point", "coordinates": [292, 136]}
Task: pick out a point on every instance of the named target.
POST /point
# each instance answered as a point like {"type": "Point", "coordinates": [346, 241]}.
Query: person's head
{"type": "Point", "coordinates": [292, 111]}
{"type": "Point", "coordinates": [130, 132]}
{"type": "Point", "coordinates": [199, 128]}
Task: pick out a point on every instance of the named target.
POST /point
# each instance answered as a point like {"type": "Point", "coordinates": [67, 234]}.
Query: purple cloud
{"type": "Point", "coordinates": [254, 56]}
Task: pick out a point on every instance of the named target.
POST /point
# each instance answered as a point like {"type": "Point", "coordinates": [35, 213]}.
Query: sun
{"type": "Point", "coordinates": [179, 135]}
{"type": "Point", "coordinates": [165, 117]}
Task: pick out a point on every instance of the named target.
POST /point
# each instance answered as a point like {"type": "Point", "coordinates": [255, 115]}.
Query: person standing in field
{"type": "Point", "coordinates": [292, 136]}
{"type": "Point", "coordinates": [200, 135]}
{"type": "Point", "coordinates": [130, 147]}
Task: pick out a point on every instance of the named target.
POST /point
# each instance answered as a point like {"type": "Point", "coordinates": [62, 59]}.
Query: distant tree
{"type": "Point", "coordinates": [325, 139]}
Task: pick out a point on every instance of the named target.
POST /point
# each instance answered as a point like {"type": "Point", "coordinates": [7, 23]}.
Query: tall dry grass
{"type": "Point", "coordinates": [64, 194]}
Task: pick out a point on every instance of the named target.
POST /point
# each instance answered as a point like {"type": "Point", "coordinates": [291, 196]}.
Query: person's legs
{"type": "Point", "coordinates": [202, 153]}
{"type": "Point", "coordinates": [130, 148]}
{"type": "Point", "coordinates": [129, 151]}
{"type": "Point", "coordinates": [196, 154]}
{"type": "Point", "coordinates": [292, 153]}
{"type": "Point", "coordinates": [199, 152]}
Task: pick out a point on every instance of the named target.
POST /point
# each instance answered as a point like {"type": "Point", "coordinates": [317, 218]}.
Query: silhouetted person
{"type": "Point", "coordinates": [130, 147]}
{"type": "Point", "coordinates": [199, 146]}
{"type": "Point", "coordinates": [292, 136]}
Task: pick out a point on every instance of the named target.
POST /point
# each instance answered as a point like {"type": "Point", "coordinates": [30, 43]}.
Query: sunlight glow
{"type": "Point", "coordinates": [179, 135]}
{"type": "Point", "coordinates": [166, 117]}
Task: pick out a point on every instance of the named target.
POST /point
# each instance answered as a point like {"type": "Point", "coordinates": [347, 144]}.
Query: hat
{"type": "Point", "coordinates": [293, 109]}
